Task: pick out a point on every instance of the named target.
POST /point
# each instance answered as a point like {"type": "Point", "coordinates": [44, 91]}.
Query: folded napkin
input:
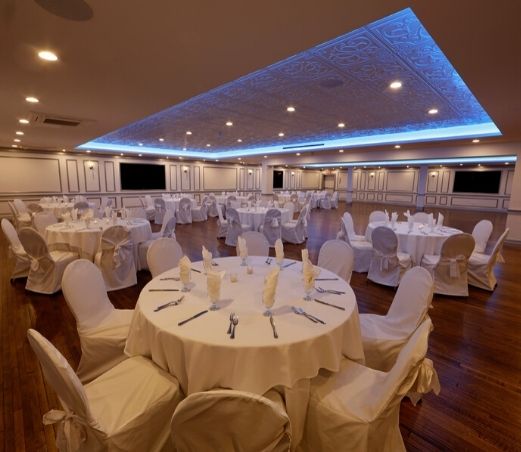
{"type": "Point", "coordinates": [431, 220]}
{"type": "Point", "coordinates": [387, 219]}
{"type": "Point", "coordinates": [270, 286]}
{"type": "Point", "coordinates": [185, 267]}
{"type": "Point", "coordinates": [207, 260]}
{"type": "Point", "coordinates": [440, 220]}
{"type": "Point", "coordinates": [67, 217]}
{"type": "Point", "coordinates": [74, 214]}
{"type": "Point", "coordinates": [88, 215]}
{"type": "Point", "coordinates": [114, 217]}
{"type": "Point", "coordinates": [108, 211]}
{"type": "Point", "coordinates": [243, 248]}
{"type": "Point", "coordinates": [394, 217]}
{"type": "Point", "coordinates": [407, 214]}
{"type": "Point", "coordinates": [310, 273]}
{"type": "Point", "coordinates": [123, 212]}
{"type": "Point", "coordinates": [279, 251]}
{"type": "Point", "coordinates": [213, 280]}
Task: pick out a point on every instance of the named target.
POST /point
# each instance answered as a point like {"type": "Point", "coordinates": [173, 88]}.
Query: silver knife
{"type": "Point", "coordinates": [329, 304]}
{"type": "Point", "coordinates": [275, 335]}
{"type": "Point", "coordinates": [192, 318]}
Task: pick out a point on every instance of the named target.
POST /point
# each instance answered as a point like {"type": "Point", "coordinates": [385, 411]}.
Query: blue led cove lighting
{"type": "Point", "coordinates": [343, 80]}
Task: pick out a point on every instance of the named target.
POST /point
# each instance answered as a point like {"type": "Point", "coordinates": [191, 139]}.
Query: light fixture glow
{"type": "Point", "coordinates": [23, 121]}
{"type": "Point", "coordinates": [161, 139]}
{"type": "Point", "coordinates": [19, 132]}
{"type": "Point", "coordinates": [238, 158]}
{"type": "Point", "coordinates": [297, 154]}
{"type": "Point", "coordinates": [229, 123]}
{"type": "Point", "coordinates": [188, 132]}
{"type": "Point", "coordinates": [341, 125]}
{"type": "Point", "coordinates": [475, 140]}
{"type": "Point", "coordinates": [121, 154]}
{"type": "Point", "coordinates": [397, 146]}
{"type": "Point", "coordinates": [395, 85]}
{"type": "Point", "coordinates": [17, 140]}
{"type": "Point", "coordinates": [433, 111]}
{"type": "Point", "coordinates": [290, 109]}
{"type": "Point", "coordinates": [88, 151]}
{"type": "Point", "coordinates": [47, 55]}
{"type": "Point", "coordinates": [265, 156]}
{"type": "Point", "coordinates": [281, 134]}
{"type": "Point", "coordinates": [184, 149]}
{"type": "Point", "coordinates": [341, 151]}
{"type": "Point", "coordinates": [239, 140]}
{"type": "Point", "coordinates": [140, 144]}
{"type": "Point", "coordinates": [208, 145]}
{"type": "Point", "coordinates": [14, 145]}
{"type": "Point", "coordinates": [140, 155]}
{"type": "Point", "coordinates": [32, 99]}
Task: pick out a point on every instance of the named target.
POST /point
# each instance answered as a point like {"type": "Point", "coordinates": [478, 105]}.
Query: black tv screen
{"type": "Point", "coordinates": [278, 179]}
{"type": "Point", "coordinates": [142, 176]}
{"type": "Point", "coordinates": [477, 181]}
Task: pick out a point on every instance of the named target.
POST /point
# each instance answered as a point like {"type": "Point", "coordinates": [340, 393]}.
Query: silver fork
{"type": "Point", "coordinates": [170, 303]}
{"type": "Point", "coordinates": [335, 292]}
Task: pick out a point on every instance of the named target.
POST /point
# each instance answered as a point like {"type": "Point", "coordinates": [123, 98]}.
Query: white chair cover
{"type": "Point", "coordinates": [167, 230]}
{"type": "Point", "coordinates": [20, 206]}
{"type": "Point", "coordinates": [227, 420]}
{"type": "Point", "coordinates": [160, 208]}
{"type": "Point", "coordinates": [377, 215]}
{"type": "Point", "coordinates": [16, 249]}
{"type": "Point", "coordinates": [184, 213]}
{"type": "Point", "coordinates": [291, 207]}
{"type": "Point", "coordinates": [295, 231]}
{"type": "Point", "coordinates": [338, 257]}
{"type": "Point", "coordinates": [481, 234]}
{"type": "Point", "coordinates": [256, 243]}
{"type": "Point", "coordinates": [387, 264]}
{"type": "Point", "coordinates": [103, 330]}
{"type": "Point", "coordinates": [234, 228]}
{"type": "Point", "coordinates": [46, 267]}
{"type": "Point", "coordinates": [21, 220]}
{"type": "Point", "coordinates": [200, 213]}
{"type": "Point", "coordinates": [222, 224]}
{"type": "Point", "coordinates": [358, 408]}
{"type": "Point", "coordinates": [43, 219]}
{"type": "Point", "coordinates": [212, 207]}
{"type": "Point", "coordinates": [421, 217]}
{"type": "Point", "coordinates": [481, 266]}
{"type": "Point", "coordinates": [136, 212]}
{"type": "Point", "coordinates": [325, 202]}
{"type": "Point", "coordinates": [115, 258]}
{"type": "Point", "coordinates": [384, 336]}
{"type": "Point", "coordinates": [362, 248]}
{"type": "Point", "coordinates": [163, 254]}
{"type": "Point", "coordinates": [81, 206]}
{"type": "Point", "coordinates": [33, 208]}
{"type": "Point", "coordinates": [148, 205]}
{"type": "Point", "coordinates": [449, 270]}
{"type": "Point", "coordinates": [334, 200]}
{"type": "Point", "coordinates": [126, 409]}
{"type": "Point", "coordinates": [294, 198]}
{"type": "Point", "coordinates": [271, 228]}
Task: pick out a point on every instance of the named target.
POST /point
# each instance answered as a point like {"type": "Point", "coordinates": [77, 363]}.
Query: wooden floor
{"type": "Point", "coordinates": [476, 345]}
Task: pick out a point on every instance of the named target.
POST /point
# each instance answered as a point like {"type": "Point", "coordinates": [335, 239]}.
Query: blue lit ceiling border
{"type": "Point", "coordinates": [364, 61]}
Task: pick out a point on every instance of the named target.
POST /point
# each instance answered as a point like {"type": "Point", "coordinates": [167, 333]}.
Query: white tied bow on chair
{"type": "Point", "coordinates": [71, 431]}
{"type": "Point", "coordinates": [426, 381]}
{"type": "Point", "coordinates": [121, 251]}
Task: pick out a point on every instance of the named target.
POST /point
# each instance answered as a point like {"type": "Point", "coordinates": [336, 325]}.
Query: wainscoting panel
{"type": "Point", "coordinates": [29, 175]}
{"type": "Point", "coordinates": [219, 178]}
{"type": "Point", "coordinates": [110, 177]}
{"type": "Point", "coordinates": [173, 177]}
{"type": "Point", "coordinates": [91, 173]}
{"type": "Point", "coordinates": [73, 183]}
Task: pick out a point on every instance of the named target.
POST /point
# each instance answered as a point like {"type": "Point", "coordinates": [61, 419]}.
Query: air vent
{"type": "Point", "coordinates": [53, 120]}
{"type": "Point", "coordinates": [299, 146]}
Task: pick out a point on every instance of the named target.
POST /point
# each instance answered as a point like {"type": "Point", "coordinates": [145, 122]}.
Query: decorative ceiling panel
{"type": "Point", "coordinates": [343, 80]}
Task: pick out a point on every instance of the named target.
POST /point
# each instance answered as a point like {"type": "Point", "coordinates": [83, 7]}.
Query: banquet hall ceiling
{"type": "Point", "coordinates": [128, 60]}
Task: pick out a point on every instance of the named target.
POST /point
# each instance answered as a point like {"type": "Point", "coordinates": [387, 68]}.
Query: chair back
{"type": "Point", "coordinates": [411, 301]}
{"type": "Point", "coordinates": [81, 205]}
{"type": "Point", "coordinates": [457, 245]}
{"type": "Point", "coordinates": [272, 228]}
{"type": "Point", "coordinates": [34, 244]}
{"type": "Point", "coordinates": [43, 219]}
{"type": "Point", "coordinates": [163, 254]}
{"type": "Point", "coordinates": [377, 215]}
{"type": "Point", "coordinates": [291, 207]}
{"type": "Point", "coordinates": [168, 228]}
{"type": "Point", "coordinates": [338, 257]}
{"type": "Point", "coordinates": [225, 419]}
{"type": "Point", "coordinates": [34, 208]}
{"type": "Point", "coordinates": [115, 241]}
{"type": "Point", "coordinates": [495, 255]}
{"type": "Point", "coordinates": [85, 293]}
{"type": "Point", "coordinates": [220, 212]}
{"type": "Point", "coordinates": [12, 237]}
{"type": "Point", "coordinates": [149, 201]}
{"type": "Point", "coordinates": [348, 227]}
{"type": "Point", "coordinates": [481, 234]}
{"type": "Point", "coordinates": [159, 205]}
{"type": "Point", "coordinates": [20, 206]}
{"type": "Point", "coordinates": [421, 217]}
{"type": "Point", "coordinates": [256, 243]}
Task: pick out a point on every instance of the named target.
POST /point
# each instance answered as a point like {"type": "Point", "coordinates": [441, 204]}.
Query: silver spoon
{"type": "Point", "coordinates": [300, 311]}
{"type": "Point", "coordinates": [235, 322]}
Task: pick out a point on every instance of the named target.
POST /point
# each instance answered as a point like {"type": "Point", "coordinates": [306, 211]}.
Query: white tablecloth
{"type": "Point", "coordinates": [222, 199]}
{"type": "Point", "coordinates": [421, 240]}
{"type": "Point", "coordinates": [77, 237]}
{"type": "Point", "coordinates": [59, 208]}
{"type": "Point", "coordinates": [254, 216]}
{"type": "Point", "coordinates": [173, 204]}
{"type": "Point", "coordinates": [202, 356]}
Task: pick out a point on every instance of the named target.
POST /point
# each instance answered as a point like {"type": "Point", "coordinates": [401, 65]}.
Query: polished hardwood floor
{"type": "Point", "coordinates": [475, 346]}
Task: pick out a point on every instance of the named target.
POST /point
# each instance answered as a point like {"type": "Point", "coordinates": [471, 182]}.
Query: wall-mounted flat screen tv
{"type": "Point", "coordinates": [278, 179]}
{"type": "Point", "coordinates": [142, 176]}
{"type": "Point", "coordinates": [476, 181]}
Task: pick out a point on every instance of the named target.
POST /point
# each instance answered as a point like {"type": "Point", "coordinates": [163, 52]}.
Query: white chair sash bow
{"type": "Point", "coordinates": [426, 381]}
{"type": "Point", "coordinates": [71, 431]}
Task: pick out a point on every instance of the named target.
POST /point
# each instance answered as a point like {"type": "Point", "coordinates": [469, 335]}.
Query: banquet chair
{"type": "Point", "coordinates": [325, 202]}
{"type": "Point", "coordinates": [160, 208]}
{"type": "Point", "coordinates": [127, 408]}
{"type": "Point", "coordinates": [163, 254]}
{"type": "Point", "coordinates": [148, 205]}
{"type": "Point", "coordinates": [136, 212]}
{"type": "Point", "coordinates": [81, 206]}
{"type": "Point", "coordinates": [256, 243]}
{"type": "Point", "coordinates": [450, 268]}
{"type": "Point", "coordinates": [481, 233]}
{"type": "Point", "coordinates": [421, 217]}
{"type": "Point", "coordinates": [334, 200]}
{"type": "Point", "coordinates": [47, 267]}
{"type": "Point", "coordinates": [234, 227]}
{"type": "Point", "coordinates": [362, 249]}
{"type": "Point", "coordinates": [21, 207]}
{"type": "Point", "coordinates": [115, 258]}
{"type": "Point", "coordinates": [291, 207]}
{"type": "Point", "coordinates": [184, 212]}
{"type": "Point", "coordinates": [232, 199]}
{"type": "Point", "coordinates": [377, 215]}
{"type": "Point", "coordinates": [33, 208]}
{"type": "Point", "coordinates": [228, 420]}
{"type": "Point", "coordinates": [271, 227]}
{"type": "Point", "coordinates": [481, 265]}
{"type": "Point", "coordinates": [383, 336]}
{"type": "Point", "coordinates": [387, 264]}
{"type": "Point", "coordinates": [338, 257]}
{"type": "Point", "coordinates": [102, 329]}
{"type": "Point", "coordinates": [43, 219]}
{"type": "Point", "coordinates": [294, 198]}
{"type": "Point", "coordinates": [212, 207]}
{"type": "Point", "coordinates": [358, 408]}
{"type": "Point", "coordinates": [294, 231]}
{"type": "Point", "coordinates": [22, 260]}
{"type": "Point", "coordinates": [167, 230]}
{"type": "Point", "coordinates": [200, 213]}
{"type": "Point", "coordinates": [222, 224]}
{"type": "Point", "coordinates": [21, 220]}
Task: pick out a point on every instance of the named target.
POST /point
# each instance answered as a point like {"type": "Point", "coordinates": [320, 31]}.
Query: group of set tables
{"type": "Point", "coordinates": [254, 216]}
{"type": "Point", "coordinates": [172, 204]}
{"type": "Point", "coordinates": [202, 355]}
{"type": "Point", "coordinates": [59, 208]}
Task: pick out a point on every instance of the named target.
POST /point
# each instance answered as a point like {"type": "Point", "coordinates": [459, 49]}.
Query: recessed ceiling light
{"type": "Point", "coordinates": [47, 55]}
{"type": "Point", "coordinates": [188, 132]}
{"type": "Point", "coordinates": [140, 144]}
{"type": "Point", "coordinates": [229, 123]}
{"type": "Point", "coordinates": [433, 111]}
{"type": "Point", "coordinates": [475, 140]}
{"type": "Point", "coordinates": [281, 134]}
{"type": "Point", "coordinates": [461, 164]}
{"type": "Point", "coordinates": [208, 145]}
{"type": "Point", "coordinates": [161, 139]}
{"type": "Point", "coordinates": [121, 154]}
{"type": "Point", "coordinates": [397, 146]}
{"type": "Point", "coordinates": [23, 121]}
{"type": "Point", "coordinates": [17, 140]}
{"type": "Point", "coordinates": [14, 145]}
{"type": "Point", "coordinates": [265, 156]}
{"type": "Point", "coordinates": [286, 166]}
{"type": "Point", "coordinates": [479, 164]}
{"type": "Point", "coordinates": [341, 151]}
{"type": "Point", "coordinates": [19, 132]}
{"type": "Point", "coordinates": [507, 163]}
{"type": "Point", "coordinates": [298, 153]}
{"type": "Point", "coordinates": [239, 140]}
{"type": "Point", "coordinates": [88, 151]}
{"type": "Point", "coordinates": [238, 158]}
{"type": "Point", "coordinates": [291, 109]}
{"type": "Point", "coordinates": [216, 160]}
{"type": "Point", "coordinates": [341, 125]}
{"type": "Point", "coordinates": [32, 100]}
{"type": "Point", "coordinates": [180, 158]}
{"type": "Point", "coordinates": [395, 85]}
{"type": "Point", "coordinates": [184, 149]}
{"type": "Point", "coordinates": [407, 166]}
{"type": "Point", "coordinates": [140, 155]}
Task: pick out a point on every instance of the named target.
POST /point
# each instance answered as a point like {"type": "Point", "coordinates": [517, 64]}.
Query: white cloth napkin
{"type": "Point", "coordinates": [67, 217]}
{"type": "Point", "coordinates": [388, 218]}
{"type": "Point", "coordinates": [279, 251]}
{"type": "Point", "coordinates": [243, 248]}
{"type": "Point", "coordinates": [213, 280]}
{"type": "Point", "coordinates": [74, 214]}
{"type": "Point", "coordinates": [270, 286]}
{"type": "Point", "coordinates": [440, 220]}
{"type": "Point", "coordinates": [185, 267]}
{"type": "Point", "coordinates": [207, 260]}
{"type": "Point", "coordinates": [310, 273]}
{"type": "Point", "coordinates": [394, 218]}
{"type": "Point", "coordinates": [431, 220]}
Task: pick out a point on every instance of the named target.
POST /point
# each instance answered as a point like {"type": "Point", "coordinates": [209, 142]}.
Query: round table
{"type": "Point", "coordinates": [222, 199]}
{"type": "Point", "coordinates": [421, 240]}
{"type": "Point", "coordinates": [57, 208]}
{"type": "Point", "coordinates": [173, 204]}
{"type": "Point", "coordinates": [85, 241]}
{"type": "Point", "coordinates": [254, 216]}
